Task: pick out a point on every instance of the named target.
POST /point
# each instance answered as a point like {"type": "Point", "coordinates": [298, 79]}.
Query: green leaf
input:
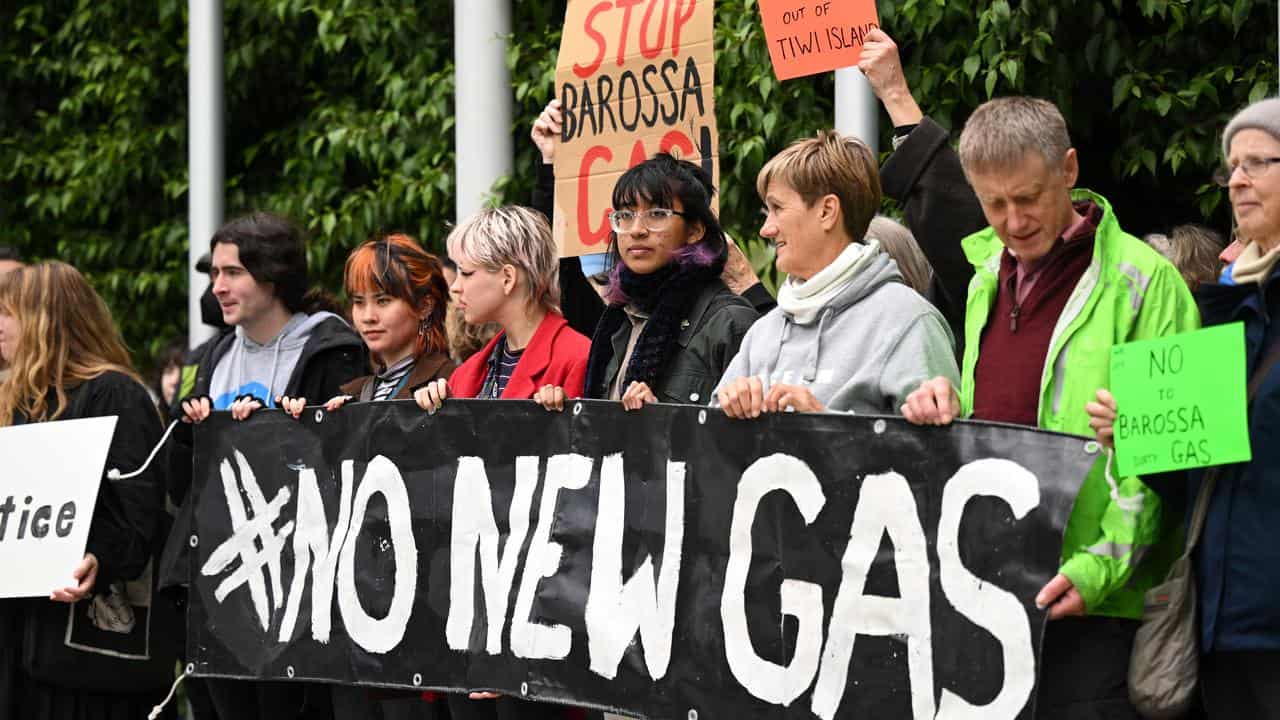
{"type": "Point", "coordinates": [971, 65]}
{"type": "Point", "coordinates": [1163, 103]}
{"type": "Point", "coordinates": [992, 77]}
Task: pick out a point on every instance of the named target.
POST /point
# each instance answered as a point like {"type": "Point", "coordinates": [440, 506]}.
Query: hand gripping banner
{"type": "Point", "coordinates": [657, 563]}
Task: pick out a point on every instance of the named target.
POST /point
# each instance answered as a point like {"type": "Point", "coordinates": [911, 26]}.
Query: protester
{"type": "Point", "coordinates": [1237, 555]}
{"type": "Point", "coordinates": [1193, 249]}
{"type": "Point", "coordinates": [69, 363]}
{"type": "Point", "coordinates": [1055, 283]}
{"type": "Point", "coordinates": [847, 334]}
{"type": "Point", "coordinates": [168, 374]}
{"type": "Point", "coordinates": [507, 274]}
{"type": "Point", "coordinates": [583, 307]}
{"type": "Point", "coordinates": [898, 242]}
{"type": "Point", "coordinates": [277, 347]}
{"type": "Point", "coordinates": [672, 325]}
{"type": "Point", "coordinates": [398, 302]}
{"type": "Point", "coordinates": [465, 339]}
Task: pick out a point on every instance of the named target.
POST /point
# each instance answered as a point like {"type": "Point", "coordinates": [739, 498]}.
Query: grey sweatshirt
{"type": "Point", "coordinates": [263, 371]}
{"type": "Point", "coordinates": [865, 352]}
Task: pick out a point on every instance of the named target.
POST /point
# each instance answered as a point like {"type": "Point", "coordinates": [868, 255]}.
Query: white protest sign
{"type": "Point", "coordinates": [49, 480]}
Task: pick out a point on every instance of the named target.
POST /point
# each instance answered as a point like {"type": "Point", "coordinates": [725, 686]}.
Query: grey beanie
{"type": "Point", "coordinates": [1263, 115]}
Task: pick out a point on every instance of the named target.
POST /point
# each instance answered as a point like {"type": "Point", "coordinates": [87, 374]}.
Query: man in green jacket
{"type": "Point", "coordinates": [1055, 284]}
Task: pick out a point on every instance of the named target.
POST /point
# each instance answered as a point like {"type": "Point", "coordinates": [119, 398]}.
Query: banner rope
{"type": "Point", "coordinates": [155, 711]}
{"type": "Point", "coordinates": [114, 473]}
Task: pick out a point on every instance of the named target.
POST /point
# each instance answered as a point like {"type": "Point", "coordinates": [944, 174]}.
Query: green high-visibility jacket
{"type": "Point", "coordinates": [1117, 545]}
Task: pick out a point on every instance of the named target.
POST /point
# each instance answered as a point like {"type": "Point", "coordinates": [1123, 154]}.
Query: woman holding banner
{"type": "Point", "coordinates": [507, 272]}
{"type": "Point", "coordinates": [68, 362]}
{"type": "Point", "coordinates": [399, 299]}
{"type": "Point", "coordinates": [1236, 554]}
{"type": "Point", "coordinates": [671, 326]}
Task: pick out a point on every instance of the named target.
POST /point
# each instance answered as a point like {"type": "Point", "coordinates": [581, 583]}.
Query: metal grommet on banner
{"type": "Point", "coordinates": [194, 541]}
{"type": "Point", "coordinates": [577, 408]}
{"type": "Point", "coordinates": [524, 688]}
{"type": "Point", "coordinates": [289, 671]}
{"type": "Point", "coordinates": [191, 667]}
{"type": "Point", "coordinates": [879, 426]}
{"type": "Point", "coordinates": [417, 679]}
{"type": "Point", "coordinates": [693, 714]}
{"type": "Point", "coordinates": [319, 416]}
{"type": "Point", "coordinates": [1091, 447]}
{"type": "Point", "coordinates": [702, 417]}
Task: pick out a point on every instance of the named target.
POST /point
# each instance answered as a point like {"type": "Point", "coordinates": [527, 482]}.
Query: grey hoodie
{"type": "Point", "coordinates": [263, 371]}
{"type": "Point", "coordinates": [867, 349]}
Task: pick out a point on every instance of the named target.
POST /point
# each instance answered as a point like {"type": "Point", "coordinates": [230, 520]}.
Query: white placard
{"type": "Point", "coordinates": [49, 476]}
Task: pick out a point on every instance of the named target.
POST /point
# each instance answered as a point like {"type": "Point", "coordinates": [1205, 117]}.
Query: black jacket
{"type": "Point", "coordinates": [333, 356]}
{"type": "Point", "coordinates": [712, 332]}
{"type": "Point", "coordinates": [924, 176]}
{"type": "Point", "coordinates": [125, 535]}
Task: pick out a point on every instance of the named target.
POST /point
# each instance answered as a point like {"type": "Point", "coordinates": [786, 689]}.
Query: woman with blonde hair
{"type": "Point", "coordinates": [68, 362]}
{"type": "Point", "coordinates": [508, 274]}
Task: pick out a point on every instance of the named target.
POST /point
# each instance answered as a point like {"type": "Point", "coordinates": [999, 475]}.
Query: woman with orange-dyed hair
{"type": "Point", "coordinates": [399, 299]}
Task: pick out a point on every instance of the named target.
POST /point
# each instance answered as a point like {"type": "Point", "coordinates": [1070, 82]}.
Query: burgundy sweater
{"type": "Point", "coordinates": [1015, 341]}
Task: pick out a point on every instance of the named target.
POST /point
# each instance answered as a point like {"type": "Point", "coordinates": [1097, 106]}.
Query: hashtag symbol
{"type": "Point", "coordinates": [255, 541]}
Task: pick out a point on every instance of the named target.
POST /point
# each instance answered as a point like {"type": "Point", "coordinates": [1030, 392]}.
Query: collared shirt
{"type": "Point", "coordinates": [638, 320]}
{"type": "Point", "coordinates": [388, 380]}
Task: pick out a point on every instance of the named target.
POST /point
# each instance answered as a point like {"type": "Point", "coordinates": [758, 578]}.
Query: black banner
{"type": "Point", "coordinates": [665, 563]}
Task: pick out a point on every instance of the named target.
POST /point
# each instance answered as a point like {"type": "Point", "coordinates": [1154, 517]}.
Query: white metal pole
{"type": "Point", "coordinates": [204, 148]}
{"type": "Point", "coordinates": [483, 100]}
{"type": "Point", "coordinates": [857, 110]}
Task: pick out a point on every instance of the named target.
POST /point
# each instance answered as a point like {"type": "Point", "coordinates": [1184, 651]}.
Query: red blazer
{"type": "Point", "coordinates": [556, 355]}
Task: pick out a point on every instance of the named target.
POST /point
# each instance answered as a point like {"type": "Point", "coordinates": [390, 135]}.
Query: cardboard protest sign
{"type": "Point", "coordinates": [1181, 401]}
{"type": "Point", "coordinates": [807, 37]}
{"type": "Point", "coordinates": [48, 488]}
{"type": "Point", "coordinates": [635, 77]}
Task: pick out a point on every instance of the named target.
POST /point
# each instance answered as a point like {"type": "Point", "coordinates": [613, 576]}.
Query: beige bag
{"type": "Point", "coordinates": [1165, 664]}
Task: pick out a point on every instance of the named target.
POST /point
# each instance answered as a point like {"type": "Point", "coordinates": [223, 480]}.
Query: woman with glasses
{"type": "Point", "coordinates": [1237, 555]}
{"type": "Point", "coordinates": [671, 325]}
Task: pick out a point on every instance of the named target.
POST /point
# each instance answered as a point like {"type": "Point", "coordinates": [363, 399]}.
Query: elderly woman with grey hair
{"type": "Point", "coordinates": [1237, 556]}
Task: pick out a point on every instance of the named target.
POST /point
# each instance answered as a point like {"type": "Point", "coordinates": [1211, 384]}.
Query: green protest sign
{"type": "Point", "coordinates": [1181, 401]}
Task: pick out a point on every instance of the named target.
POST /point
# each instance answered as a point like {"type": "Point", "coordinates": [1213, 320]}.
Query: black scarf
{"type": "Point", "coordinates": [666, 296]}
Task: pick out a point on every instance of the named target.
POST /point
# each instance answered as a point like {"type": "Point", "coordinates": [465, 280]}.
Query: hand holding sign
{"type": "Point", "coordinates": [807, 37]}
{"type": "Point", "coordinates": [1181, 401]}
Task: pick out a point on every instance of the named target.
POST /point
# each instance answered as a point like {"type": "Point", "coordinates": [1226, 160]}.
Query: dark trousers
{"type": "Point", "coordinates": [504, 708]}
{"type": "Point", "coordinates": [1084, 669]}
{"type": "Point", "coordinates": [258, 700]}
{"type": "Point", "coordinates": [1238, 685]}
{"type": "Point", "coordinates": [352, 702]}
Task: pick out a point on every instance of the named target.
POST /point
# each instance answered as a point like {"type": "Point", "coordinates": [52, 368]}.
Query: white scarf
{"type": "Point", "coordinates": [1253, 265]}
{"type": "Point", "coordinates": [804, 299]}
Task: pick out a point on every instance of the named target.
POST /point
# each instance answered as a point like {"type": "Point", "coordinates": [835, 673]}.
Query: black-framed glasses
{"type": "Point", "coordinates": [1253, 167]}
{"type": "Point", "coordinates": [654, 219]}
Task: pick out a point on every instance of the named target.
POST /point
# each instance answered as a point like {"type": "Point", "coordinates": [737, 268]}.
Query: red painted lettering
{"type": "Point", "coordinates": [681, 19]}
{"type": "Point", "coordinates": [625, 6]}
{"type": "Point", "coordinates": [585, 71]}
{"type": "Point", "coordinates": [653, 51]}
{"type": "Point", "coordinates": [585, 233]}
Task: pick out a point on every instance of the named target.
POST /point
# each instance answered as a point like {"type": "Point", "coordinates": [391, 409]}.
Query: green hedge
{"type": "Point", "coordinates": [339, 113]}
